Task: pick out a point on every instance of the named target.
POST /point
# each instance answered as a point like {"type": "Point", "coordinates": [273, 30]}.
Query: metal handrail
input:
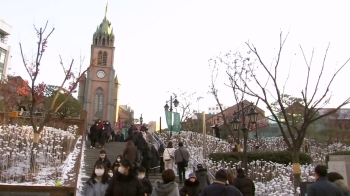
{"type": "Point", "coordinates": [193, 162]}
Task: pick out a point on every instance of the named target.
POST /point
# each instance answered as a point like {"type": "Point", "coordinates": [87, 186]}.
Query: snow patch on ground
{"type": "Point", "coordinates": [82, 173]}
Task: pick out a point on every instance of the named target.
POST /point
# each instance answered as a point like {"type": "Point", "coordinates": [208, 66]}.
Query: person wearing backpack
{"type": "Point", "coordinates": [181, 159]}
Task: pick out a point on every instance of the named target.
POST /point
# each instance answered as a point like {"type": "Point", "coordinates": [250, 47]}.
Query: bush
{"type": "Point", "coordinates": [337, 153]}
{"type": "Point", "coordinates": [282, 157]}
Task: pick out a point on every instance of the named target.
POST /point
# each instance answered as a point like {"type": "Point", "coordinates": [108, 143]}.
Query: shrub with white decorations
{"type": "Point", "coordinates": [270, 178]}
{"type": "Point", "coordinates": [51, 160]}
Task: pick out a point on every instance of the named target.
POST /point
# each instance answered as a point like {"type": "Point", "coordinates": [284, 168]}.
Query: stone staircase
{"type": "Point", "coordinates": [113, 149]}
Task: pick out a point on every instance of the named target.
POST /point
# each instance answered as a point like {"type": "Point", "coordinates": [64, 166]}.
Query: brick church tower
{"type": "Point", "coordinates": [98, 92]}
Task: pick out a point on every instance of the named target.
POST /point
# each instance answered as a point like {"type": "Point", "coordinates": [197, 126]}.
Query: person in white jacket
{"type": "Point", "coordinates": [168, 156]}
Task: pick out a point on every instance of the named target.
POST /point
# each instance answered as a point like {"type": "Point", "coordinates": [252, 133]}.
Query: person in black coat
{"type": "Point", "coordinates": [147, 186]}
{"type": "Point", "coordinates": [119, 137]}
{"type": "Point", "coordinates": [146, 160]}
{"type": "Point", "coordinates": [191, 187]}
{"type": "Point", "coordinates": [108, 130]}
{"type": "Point", "coordinates": [244, 184]}
{"type": "Point", "coordinates": [93, 134]}
{"type": "Point", "coordinates": [125, 181]}
{"type": "Point", "coordinates": [103, 158]}
{"type": "Point", "coordinates": [322, 187]}
{"type": "Point", "coordinates": [155, 157]}
{"type": "Point", "coordinates": [140, 144]}
{"type": "Point", "coordinates": [217, 131]}
{"type": "Point", "coordinates": [144, 128]}
{"type": "Point", "coordinates": [102, 137]}
{"type": "Point", "coordinates": [161, 161]}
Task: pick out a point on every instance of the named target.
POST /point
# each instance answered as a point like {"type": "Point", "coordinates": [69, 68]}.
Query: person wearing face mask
{"type": "Point", "coordinates": [103, 158]}
{"type": "Point", "coordinates": [98, 182]}
{"type": "Point", "coordinates": [191, 187]}
{"type": "Point", "coordinates": [118, 160]}
{"type": "Point", "coordinates": [125, 181]}
{"type": "Point", "coordinates": [147, 187]}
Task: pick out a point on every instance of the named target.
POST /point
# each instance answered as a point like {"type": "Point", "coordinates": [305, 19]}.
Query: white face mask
{"type": "Point", "coordinates": [118, 160]}
{"type": "Point", "coordinates": [121, 170]}
{"type": "Point", "coordinates": [141, 176]}
{"type": "Point", "coordinates": [99, 172]}
{"type": "Point", "coordinates": [110, 174]}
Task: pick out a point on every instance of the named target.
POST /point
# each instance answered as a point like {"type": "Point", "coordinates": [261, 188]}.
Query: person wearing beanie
{"type": "Point", "coordinates": [202, 176]}
{"type": "Point", "coordinates": [244, 183]}
{"type": "Point", "coordinates": [219, 186]}
{"type": "Point", "coordinates": [191, 186]}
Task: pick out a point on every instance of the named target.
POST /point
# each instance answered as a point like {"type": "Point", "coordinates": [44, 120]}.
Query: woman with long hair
{"type": "Point", "coordinates": [125, 181]}
{"type": "Point", "coordinates": [98, 182]}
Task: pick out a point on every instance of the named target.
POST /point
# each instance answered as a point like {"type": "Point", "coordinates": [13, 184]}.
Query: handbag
{"type": "Point", "coordinates": [184, 161]}
{"type": "Point", "coordinates": [171, 156]}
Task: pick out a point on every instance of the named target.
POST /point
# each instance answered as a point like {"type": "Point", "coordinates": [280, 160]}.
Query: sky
{"type": "Point", "coordinates": [162, 46]}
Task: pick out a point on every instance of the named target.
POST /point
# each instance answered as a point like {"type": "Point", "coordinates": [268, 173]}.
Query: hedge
{"type": "Point", "coordinates": [337, 153]}
{"type": "Point", "coordinates": [282, 157]}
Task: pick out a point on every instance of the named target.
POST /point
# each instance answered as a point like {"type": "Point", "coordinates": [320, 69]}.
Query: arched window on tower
{"type": "Point", "coordinates": [99, 58]}
{"type": "Point", "coordinates": [103, 41]}
{"type": "Point", "coordinates": [104, 61]}
{"type": "Point", "coordinates": [98, 103]}
{"type": "Point", "coordinates": [95, 42]}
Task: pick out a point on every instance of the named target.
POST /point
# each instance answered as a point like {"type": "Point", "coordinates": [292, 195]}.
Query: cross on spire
{"type": "Point", "coordinates": [106, 9]}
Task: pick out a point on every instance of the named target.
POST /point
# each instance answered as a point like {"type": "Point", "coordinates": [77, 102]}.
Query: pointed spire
{"type": "Point", "coordinates": [106, 9]}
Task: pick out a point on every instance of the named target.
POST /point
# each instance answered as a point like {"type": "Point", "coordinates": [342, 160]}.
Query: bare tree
{"type": "Point", "coordinates": [272, 91]}
{"type": "Point", "coordinates": [68, 85]}
{"type": "Point", "coordinates": [186, 100]}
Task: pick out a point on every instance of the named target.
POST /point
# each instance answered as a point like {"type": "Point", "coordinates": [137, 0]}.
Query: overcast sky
{"type": "Point", "coordinates": [164, 45]}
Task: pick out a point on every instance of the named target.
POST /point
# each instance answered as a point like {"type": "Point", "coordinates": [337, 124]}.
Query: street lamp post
{"type": "Point", "coordinates": [141, 120]}
{"type": "Point", "coordinates": [166, 107]}
{"type": "Point", "coordinates": [246, 110]}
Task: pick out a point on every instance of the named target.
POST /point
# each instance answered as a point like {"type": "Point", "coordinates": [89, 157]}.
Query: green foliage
{"type": "Point", "coordinates": [282, 157]}
{"type": "Point", "coordinates": [71, 108]}
{"type": "Point", "coordinates": [337, 153]}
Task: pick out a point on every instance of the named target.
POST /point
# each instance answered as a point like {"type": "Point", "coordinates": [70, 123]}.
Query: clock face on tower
{"type": "Point", "coordinates": [101, 74]}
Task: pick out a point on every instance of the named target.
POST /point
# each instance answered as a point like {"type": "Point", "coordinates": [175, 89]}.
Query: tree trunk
{"type": "Point", "coordinates": [33, 154]}
{"type": "Point", "coordinates": [296, 168]}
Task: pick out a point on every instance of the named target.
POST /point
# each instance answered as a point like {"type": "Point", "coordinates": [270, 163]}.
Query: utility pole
{"type": "Point", "coordinates": [204, 137]}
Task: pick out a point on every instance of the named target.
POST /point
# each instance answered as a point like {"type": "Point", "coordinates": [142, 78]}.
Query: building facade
{"type": "Point", "coordinates": [216, 109]}
{"type": "Point", "coordinates": [5, 31]}
{"type": "Point", "coordinates": [98, 91]}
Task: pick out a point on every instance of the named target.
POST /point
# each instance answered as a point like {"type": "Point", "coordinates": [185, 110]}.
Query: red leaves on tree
{"type": "Point", "coordinates": [13, 89]}
{"type": "Point", "coordinates": [39, 92]}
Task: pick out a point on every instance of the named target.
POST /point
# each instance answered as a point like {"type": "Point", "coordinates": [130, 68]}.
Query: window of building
{"type": "Point", "coordinates": [209, 108]}
{"type": "Point", "coordinates": [99, 58]}
{"type": "Point", "coordinates": [103, 41]}
{"type": "Point", "coordinates": [104, 61]}
{"type": "Point", "coordinates": [2, 60]}
{"type": "Point", "coordinates": [98, 103]}
{"type": "Point", "coordinates": [95, 41]}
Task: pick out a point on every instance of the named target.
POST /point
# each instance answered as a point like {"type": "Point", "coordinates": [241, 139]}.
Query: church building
{"type": "Point", "coordinates": [98, 91]}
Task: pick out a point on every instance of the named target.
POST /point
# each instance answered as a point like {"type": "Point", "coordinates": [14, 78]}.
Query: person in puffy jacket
{"type": "Point", "coordinates": [191, 187]}
{"type": "Point", "coordinates": [244, 184]}
{"type": "Point", "coordinates": [125, 181]}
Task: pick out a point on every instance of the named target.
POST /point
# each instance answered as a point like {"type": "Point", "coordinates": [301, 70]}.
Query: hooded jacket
{"type": "Point", "coordinates": [168, 189]}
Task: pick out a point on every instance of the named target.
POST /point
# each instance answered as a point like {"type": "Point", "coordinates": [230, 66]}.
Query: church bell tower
{"type": "Point", "coordinates": [98, 93]}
